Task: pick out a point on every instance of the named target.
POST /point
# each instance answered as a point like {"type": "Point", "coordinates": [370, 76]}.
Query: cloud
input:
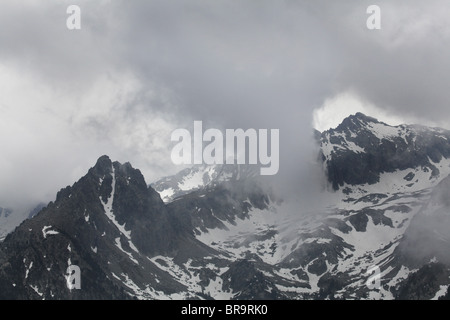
{"type": "Point", "coordinates": [401, 68]}
{"type": "Point", "coordinates": [138, 70]}
{"type": "Point", "coordinates": [336, 108]}
{"type": "Point", "coordinates": [50, 140]}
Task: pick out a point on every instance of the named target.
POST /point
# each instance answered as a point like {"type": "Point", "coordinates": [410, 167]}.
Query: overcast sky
{"type": "Point", "coordinates": [139, 69]}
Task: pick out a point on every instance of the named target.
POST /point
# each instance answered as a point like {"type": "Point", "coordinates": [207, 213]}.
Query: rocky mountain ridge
{"type": "Point", "coordinates": [226, 236]}
{"type": "Point", "coordinates": [361, 148]}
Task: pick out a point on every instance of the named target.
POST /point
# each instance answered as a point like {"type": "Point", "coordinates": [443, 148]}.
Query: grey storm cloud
{"type": "Point", "coordinates": [139, 69]}
{"type": "Point", "coordinates": [402, 68]}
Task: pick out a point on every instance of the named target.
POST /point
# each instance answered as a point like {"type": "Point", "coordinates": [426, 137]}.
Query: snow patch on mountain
{"type": "Point", "coordinates": [441, 292]}
{"type": "Point", "coordinates": [119, 245]}
{"type": "Point", "coordinates": [199, 177]}
{"type": "Point", "coordinates": [108, 206]}
{"type": "Point", "coordinates": [46, 231]}
{"type": "Point", "coordinates": [384, 131]}
{"type": "Point", "coordinates": [108, 209]}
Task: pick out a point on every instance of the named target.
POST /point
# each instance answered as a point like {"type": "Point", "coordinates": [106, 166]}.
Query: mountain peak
{"type": "Point", "coordinates": [362, 116]}
{"type": "Point", "coordinates": [103, 165]}
{"type": "Point", "coordinates": [103, 158]}
{"type": "Point", "coordinates": [107, 223]}
{"type": "Point", "coordinates": [355, 121]}
{"type": "Point", "coordinates": [361, 148]}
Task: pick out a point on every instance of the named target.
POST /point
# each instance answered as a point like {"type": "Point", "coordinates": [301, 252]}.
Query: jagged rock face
{"type": "Point", "coordinates": [121, 235]}
{"type": "Point", "coordinates": [210, 207]}
{"type": "Point", "coordinates": [244, 277]}
{"type": "Point", "coordinates": [361, 148]}
{"type": "Point", "coordinates": [107, 224]}
{"type": "Point", "coordinates": [136, 207]}
{"type": "Point", "coordinates": [423, 284]}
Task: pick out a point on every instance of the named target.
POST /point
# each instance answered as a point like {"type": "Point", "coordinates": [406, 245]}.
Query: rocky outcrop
{"type": "Point", "coordinates": [361, 148]}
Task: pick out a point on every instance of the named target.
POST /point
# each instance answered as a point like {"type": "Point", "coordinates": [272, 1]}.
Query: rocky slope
{"type": "Point", "coordinates": [107, 224]}
{"type": "Point", "coordinates": [361, 148]}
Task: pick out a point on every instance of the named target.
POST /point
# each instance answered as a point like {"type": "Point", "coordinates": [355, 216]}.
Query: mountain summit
{"type": "Point", "coordinates": [355, 122]}
{"type": "Point", "coordinates": [107, 224]}
{"type": "Point", "coordinates": [361, 148]}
